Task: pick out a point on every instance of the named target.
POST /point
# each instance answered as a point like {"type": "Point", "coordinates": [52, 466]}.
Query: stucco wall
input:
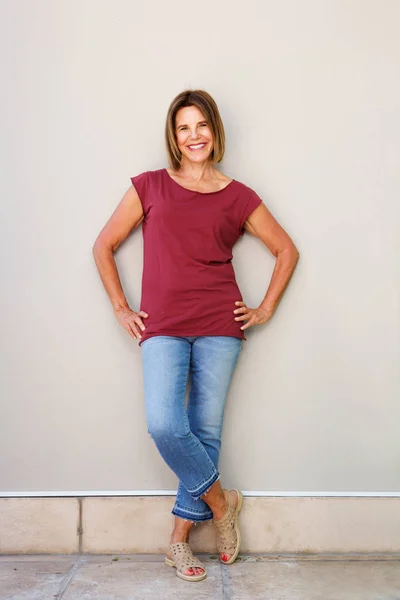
{"type": "Point", "coordinates": [309, 94]}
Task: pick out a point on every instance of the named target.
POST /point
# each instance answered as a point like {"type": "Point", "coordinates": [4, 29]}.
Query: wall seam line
{"type": "Point", "coordinates": [80, 527]}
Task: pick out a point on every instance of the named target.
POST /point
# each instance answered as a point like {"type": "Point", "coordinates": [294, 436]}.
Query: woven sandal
{"type": "Point", "coordinates": [183, 560]}
{"type": "Point", "coordinates": [227, 530]}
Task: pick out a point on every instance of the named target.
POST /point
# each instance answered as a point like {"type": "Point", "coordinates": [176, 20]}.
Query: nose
{"type": "Point", "coordinates": [194, 134]}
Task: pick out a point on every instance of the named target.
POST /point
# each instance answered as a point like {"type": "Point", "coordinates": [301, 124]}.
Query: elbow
{"type": "Point", "coordinates": [291, 253]}
{"type": "Point", "coordinates": [100, 247]}
{"type": "Point", "coordinates": [295, 257]}
{"type": "Point", "coordinates": [96, 247]}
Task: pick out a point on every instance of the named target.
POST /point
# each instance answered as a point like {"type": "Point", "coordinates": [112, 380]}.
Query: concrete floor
{"type": "Point", "coordinates": [146, 577]}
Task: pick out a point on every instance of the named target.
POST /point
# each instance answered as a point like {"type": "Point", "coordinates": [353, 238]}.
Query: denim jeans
{"type": "Point", "coordinates": [188, 439]}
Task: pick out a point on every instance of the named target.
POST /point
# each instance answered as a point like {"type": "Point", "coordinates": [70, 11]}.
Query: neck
{"type": "Point", "coordinates": [197, 171]}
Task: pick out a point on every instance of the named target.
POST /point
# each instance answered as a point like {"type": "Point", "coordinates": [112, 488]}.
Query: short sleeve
{"type": "Point", "coordinates": [251, 201]}
{"type": "Point", "coordinates": [140, 182]}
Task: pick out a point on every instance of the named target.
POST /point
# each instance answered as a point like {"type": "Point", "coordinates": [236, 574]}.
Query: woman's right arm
{"type": "Point", "coordinates": [127, 216]}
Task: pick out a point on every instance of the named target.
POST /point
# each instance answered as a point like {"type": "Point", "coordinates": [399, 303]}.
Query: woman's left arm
{"type": "Point", "coordinates": [263, 225]}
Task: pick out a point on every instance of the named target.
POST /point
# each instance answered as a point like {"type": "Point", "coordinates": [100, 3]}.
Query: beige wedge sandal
{"type": "Point", "coordinates": [227, 530]}
{"type": "Point", "coordinates": [183, 559]}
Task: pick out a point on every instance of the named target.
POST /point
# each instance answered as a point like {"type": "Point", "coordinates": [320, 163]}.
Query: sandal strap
{"type": "Point", "coordinates": [225, 530]}
{"type": "Point", "coordinates": [183, 557]}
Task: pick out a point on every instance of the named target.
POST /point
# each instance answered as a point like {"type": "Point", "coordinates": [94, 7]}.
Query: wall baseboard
{"type": "Point", "coordinates": [142, 524]}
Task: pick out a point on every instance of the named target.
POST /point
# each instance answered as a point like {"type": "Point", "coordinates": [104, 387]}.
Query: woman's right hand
{"type": "Point", "coordinates": [131, 321]}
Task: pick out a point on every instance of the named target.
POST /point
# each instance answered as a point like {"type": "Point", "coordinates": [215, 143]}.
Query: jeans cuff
{"type": "Point", "coordinates": [190, 516]}
{"type": "Point", "coordinates": [203, 489]}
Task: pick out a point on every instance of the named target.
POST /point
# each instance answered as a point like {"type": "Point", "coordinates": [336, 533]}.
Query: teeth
{"type": "Point", "coordinates": [197, 146]}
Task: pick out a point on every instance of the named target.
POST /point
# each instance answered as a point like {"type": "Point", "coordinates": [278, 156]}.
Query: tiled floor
{"type": "Point", "coordinates": [146, 577]}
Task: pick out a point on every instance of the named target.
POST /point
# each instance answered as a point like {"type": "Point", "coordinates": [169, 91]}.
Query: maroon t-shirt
{"type": "Point", "coordinates": [189, 286]}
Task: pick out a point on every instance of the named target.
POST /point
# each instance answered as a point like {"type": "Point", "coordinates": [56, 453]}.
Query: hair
{"type": "Point", "coordinates": [207, 105]}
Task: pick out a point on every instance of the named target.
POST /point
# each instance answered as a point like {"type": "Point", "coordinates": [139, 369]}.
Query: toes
{"type": "Point", "coordinates": [195, 571]}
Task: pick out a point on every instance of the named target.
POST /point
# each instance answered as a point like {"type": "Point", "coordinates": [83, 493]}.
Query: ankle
{"type": "Point", "coordinates": [179, 536]}
{"type": "Point", "coordinates": [220, 510]}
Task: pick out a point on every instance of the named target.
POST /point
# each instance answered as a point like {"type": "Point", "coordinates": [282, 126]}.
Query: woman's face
{"type": "Point", "coordinates": [193, 134]}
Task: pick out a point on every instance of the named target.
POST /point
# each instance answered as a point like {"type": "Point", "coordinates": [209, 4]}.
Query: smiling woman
{"type": "Point", "coordinates": [201, 130]}
{"type": "Point", "coordinates": [195, 315]}
{"type": "Point", "coordinates": [196, 121]}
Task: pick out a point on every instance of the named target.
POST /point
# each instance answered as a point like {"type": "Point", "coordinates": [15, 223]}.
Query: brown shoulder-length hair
{"type": "Point", "coordinates": [207, 105]}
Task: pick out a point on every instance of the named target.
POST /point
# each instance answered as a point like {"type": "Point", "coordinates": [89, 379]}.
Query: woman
{"type": "Point", "coordinates": [192, 317]}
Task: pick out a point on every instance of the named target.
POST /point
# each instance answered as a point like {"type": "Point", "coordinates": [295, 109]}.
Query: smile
{"type": "Point", "coordinates": [196, 146]}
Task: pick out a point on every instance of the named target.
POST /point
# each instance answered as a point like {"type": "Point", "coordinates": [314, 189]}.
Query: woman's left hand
{"type": "Point", "coordinates": [253, 316]}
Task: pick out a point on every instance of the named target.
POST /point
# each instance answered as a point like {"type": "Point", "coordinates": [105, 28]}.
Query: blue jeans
{"type": "Point", "coordinates": [188, 439]}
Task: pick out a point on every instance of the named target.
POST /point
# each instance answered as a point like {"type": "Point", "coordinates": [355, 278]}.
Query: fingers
{"type": "Point", "coordinates": [253, 317]}
{"type": "Point", "coordinates": [244, 311]}
{"type": "Point", "coordinates": [242, 308]}
{"type": "Point", "coordinates": [136, 330]}
{"type": "Point", "coordinates": [244, 317]}
{"type": "Point", "coordinates": [132, 322]}
{"type": "Point", "coordinates": [250, 320]}
{"type": "Point", "coordinates": [139, 323]}
{"type": "Point", "coordinates": [245, 314]}
{"type": "Point", "coordinates": [136, 325]}
{"type": "Point", "coordinates": [133, 331]}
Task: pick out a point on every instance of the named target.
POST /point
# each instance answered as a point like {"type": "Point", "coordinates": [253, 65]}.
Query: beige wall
{"type": "Point", "coordinates": [309, 93]}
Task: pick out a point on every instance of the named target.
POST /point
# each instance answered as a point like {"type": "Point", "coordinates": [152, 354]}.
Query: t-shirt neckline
{"type": "Point", "coordinates": [195, 191]}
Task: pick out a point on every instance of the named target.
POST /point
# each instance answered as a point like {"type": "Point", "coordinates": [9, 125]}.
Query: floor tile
{"type": "Point", "coordinates": [32, 579]}
{"type": "Point", "coordinates": [127, 579]}
{"type": "Point", "coordinates": [314, 580]}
